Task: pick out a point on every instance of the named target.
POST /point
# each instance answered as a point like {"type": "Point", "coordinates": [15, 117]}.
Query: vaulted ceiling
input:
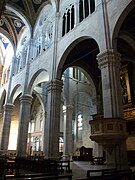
{"type": "Point", "coordinates": [17, 15]}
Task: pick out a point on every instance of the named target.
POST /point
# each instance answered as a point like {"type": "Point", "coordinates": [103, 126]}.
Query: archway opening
{"type": "Point", "coordinates": [82, 87]}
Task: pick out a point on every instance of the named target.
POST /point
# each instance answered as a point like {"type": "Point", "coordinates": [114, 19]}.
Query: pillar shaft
{"type": "Point", "coordinates": [52, 124]}
{"type": "Point", "coordinates": [109, 63]}
{"type": "Point", "coordinates": [8, 109]}
{"type": "Point", "coordinates": [68, 132]}
{"type": "Point", "coordinates": [110, 131]}
{"type": "Point", "coordinates": [25, 105]}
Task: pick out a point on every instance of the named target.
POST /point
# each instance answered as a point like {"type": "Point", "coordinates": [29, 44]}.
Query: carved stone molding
{"type": "Point", "coordinates": [108, 130]}
{"type": "Point", "coordinates": [55, 86]}
{"type": "Point", "coordinates": [108, 58]}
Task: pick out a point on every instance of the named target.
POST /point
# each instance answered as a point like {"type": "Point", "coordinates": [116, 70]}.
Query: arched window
{"type": "Point", "coordinates": [47, 36]}
{"type": "Point", "coordinates": [63, 25]}
{"type": "Point", "coordinates": [86, 7]}
{"type": "Point", "coordinates": [68, 20]}
{"type": "Point", "coordinates": [92, 6]}
{"type": "Point", "coordinates": [80, 10]}
{"type": "Point", "coordinates": [72, 17]}
{"type": "Point", "coordinates": [79, 121]}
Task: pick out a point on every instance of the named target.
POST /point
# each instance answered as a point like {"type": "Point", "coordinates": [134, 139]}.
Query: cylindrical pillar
{"type": "Point", "coordinates": [52, 124]}
{"type": "Point", "coordinates": [25, 105]}
{"type": "Point", "coordinates": [8, 109]}
{"type": "Point", "coordinates": [68, 132]}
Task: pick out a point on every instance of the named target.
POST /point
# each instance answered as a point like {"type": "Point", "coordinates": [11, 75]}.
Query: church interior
{"type": "Point", "coordinates": [67, 82]}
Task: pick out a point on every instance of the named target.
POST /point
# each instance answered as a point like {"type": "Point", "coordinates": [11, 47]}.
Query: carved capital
{"type": "Point", "coordinates": [55, 86]}
{"type": "Point", "coordinates": [8, 107]}
{"type": "Point", "coordinates": [109, 58]}
{"type": "Point", "coordinates": [26, 98]}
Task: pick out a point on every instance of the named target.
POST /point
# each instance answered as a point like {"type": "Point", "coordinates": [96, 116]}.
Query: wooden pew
{"type": "Point", "coordinates": [30, 175]}
{"type": "Point", "coordinates": [67, 176]}
{"type": "Point", "coordinates": [8, 167]}
{"type": "Point", "coordinates": [63, 164]}
{"type": "Point", "coordinates": [37, 165]}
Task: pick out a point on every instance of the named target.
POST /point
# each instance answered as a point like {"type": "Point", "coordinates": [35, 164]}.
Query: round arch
{"type": "Point", "coordinates": [15, 92]}
{"type": "Point", "coordinates": [120, 22]}
{"type": "Point", "coordinates": [54, 4]}
{"type": "Point", "coordinates": [39, 77]}
{"type": "Point", "coordinates": [70, 48]}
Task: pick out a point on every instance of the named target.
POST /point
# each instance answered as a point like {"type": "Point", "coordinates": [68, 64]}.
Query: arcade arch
{"type": "Point", "coordinates": [79, 71]}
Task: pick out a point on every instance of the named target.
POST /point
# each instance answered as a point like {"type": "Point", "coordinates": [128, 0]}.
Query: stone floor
{"type": "Point", "coordinates": [79, 168]}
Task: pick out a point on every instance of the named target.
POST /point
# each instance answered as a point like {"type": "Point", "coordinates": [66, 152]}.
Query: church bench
{"type": "Point", "coordinates": [63, 164]}
{"type": "Point", "coordinates": [30, 175]}
{"type": "Point", "coordinates": [67, 176]}
{"type": "Point", "coordinates": [37, 165]}
{"type": "Point", "coordinates": [8, 167]}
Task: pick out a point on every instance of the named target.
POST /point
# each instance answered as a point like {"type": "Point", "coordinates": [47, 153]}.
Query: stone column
{"type": "Point", "coordinates": [52, 124]}
{"type": "Point", "coordinates": [110, 131]}
{"type": "Point", "coordinates": [8, 109]}
{"type": "Point", "coordinates": [109, 63]}
{"type": "Point", "coordinates": [68, 132]}
{"type": "Point", "coordinates": [25, 105]}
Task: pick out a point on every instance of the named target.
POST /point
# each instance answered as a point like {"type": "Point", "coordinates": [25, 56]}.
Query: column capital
{"type": "Point", "coordinates": [55, 85]}
{"type": "Point", "coordinates": [26, 98]}
{"type": "Point", "coordinates": [8, 107]}
{"type": "Point", "coordinates": [108, 58]}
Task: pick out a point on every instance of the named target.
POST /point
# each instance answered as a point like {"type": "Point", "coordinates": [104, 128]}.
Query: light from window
{"type": "Point", "coordinates": [79, 121]}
